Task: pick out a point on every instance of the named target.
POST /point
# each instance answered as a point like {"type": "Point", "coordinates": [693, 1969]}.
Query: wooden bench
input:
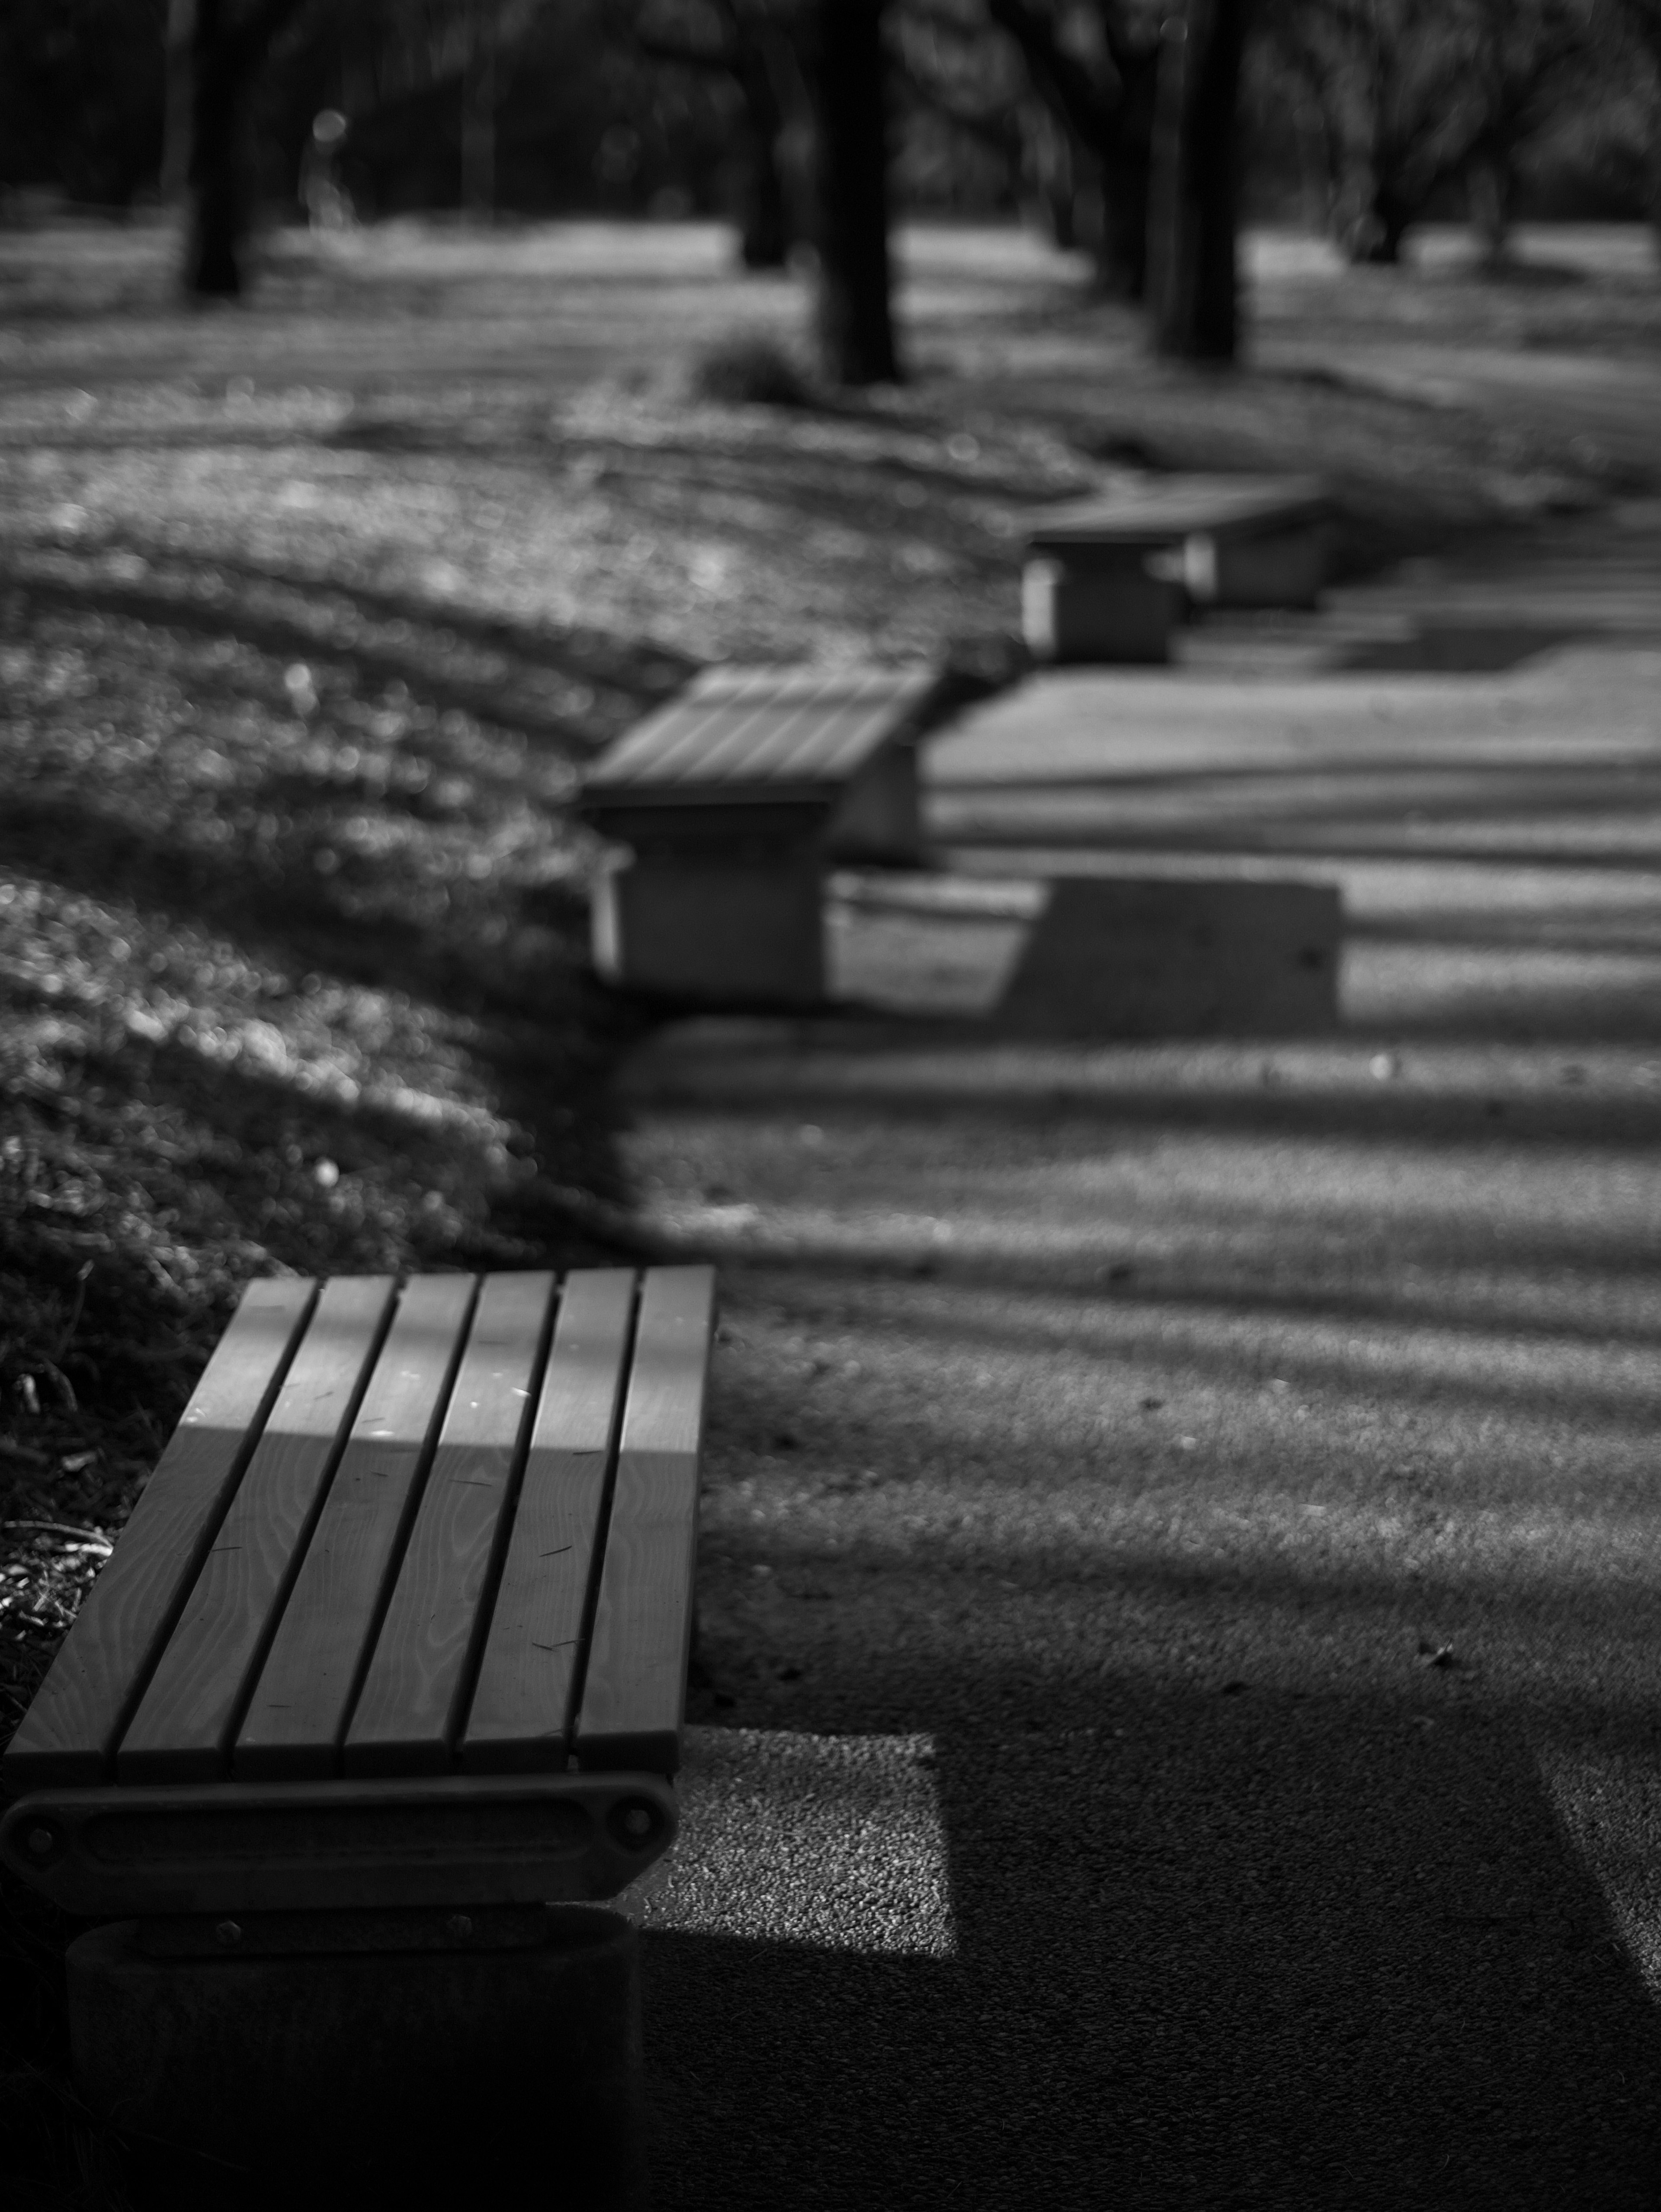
{"type": "Point", "coordinates": [729, 806]}
{"type": "Point", "coordinates": [1108, 578]}
{"type": "Point", "coordinates": [391, 1653]}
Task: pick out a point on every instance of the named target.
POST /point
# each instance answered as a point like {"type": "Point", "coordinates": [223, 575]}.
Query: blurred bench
{"type": "Point", "coordinates": [729, 805]}
{"type": "Point", "coordinates": [1108, 578]}
{"type": "Point", "coordinates": [390, 1653]}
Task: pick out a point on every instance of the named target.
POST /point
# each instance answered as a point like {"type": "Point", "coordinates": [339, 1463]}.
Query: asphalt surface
{"type": "Point", "coordinates": [1181, 1627]}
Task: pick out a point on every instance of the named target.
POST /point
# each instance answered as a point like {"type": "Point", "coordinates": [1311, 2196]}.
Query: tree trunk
{"type": "Point", "coordinates": [764, 231]}
{"type": "Point", "coordinates": [1374, 239]}
{"type": "Point", "coordinates": [1121, 244]}
{"type": "Point", "coordinates": [1491, 191]}
{"type": "Point", "coordinates": [226, 49]}
{"type": "Point", "coordinates": [218, 185]}
{"type": "Point", "coordinates": [1193, 284]}
{"type": "Point", "coordinates": [855, 329]}
{"type": "Point", "coordinates": [176, 110]}
{"type": "Point", "coordinates": [1048, 174]}
{"type": "Point", "coordinates": [1127, 157]}
{"type": "Point", "coordinates": [479, 115]}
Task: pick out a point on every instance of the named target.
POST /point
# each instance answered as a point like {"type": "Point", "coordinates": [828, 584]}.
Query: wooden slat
{"type": "Point", "coordinates": [634, 1688]}
{"type": "Point", "coordinates": [408, 1712]}
{"type": "Point", "coordinates": [296, 1717]}
{"type": "Point", "coordinates": [70, 1731]}
{"type": "Point", "coordinates": [762, 727]}
{"type": "Point", "coordinates": [719, 745]}
{"type": "Point", "coordinates": [182, 1729]}
{"type": "Point", "coordinates": [520, 1716]}
{"type": "Point", "coordinates": [1167, 507]}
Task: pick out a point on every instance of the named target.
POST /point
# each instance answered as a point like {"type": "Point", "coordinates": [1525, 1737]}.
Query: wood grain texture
{"type": "Point", "coordinates": [181, 1731]}
{"type": "Point", "coordinates": [296, 1717]}
{"type": "Point", "coordinates": [520, 1716]}
{"type": "Point", "coordinates": [68, 1733]}
{"type": "Point", "coordinates": [410, 1707]}
{"type": "Point", "coordinates": [634, 1689]}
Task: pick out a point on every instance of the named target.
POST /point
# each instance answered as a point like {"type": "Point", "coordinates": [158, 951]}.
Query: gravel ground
{"type": "Point", "coordinates": [1180, 1634]}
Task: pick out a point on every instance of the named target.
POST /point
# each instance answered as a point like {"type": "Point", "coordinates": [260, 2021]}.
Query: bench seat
{"type": "Point", "coordinates": [1108, 577]}
{"type": "Point", "coordinates": [728, 805]}
{"type": "Point", "coordinates": [402, 1618]}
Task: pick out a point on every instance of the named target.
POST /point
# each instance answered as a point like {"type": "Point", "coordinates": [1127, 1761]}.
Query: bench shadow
{"type": "Point", "coordinates": [1459, 649]}
{"type": "Point", "coordinates": [1234, 1951]}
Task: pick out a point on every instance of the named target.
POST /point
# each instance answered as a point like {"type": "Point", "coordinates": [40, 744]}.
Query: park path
{"type": "Point", "coordinates": [1181, 1616]}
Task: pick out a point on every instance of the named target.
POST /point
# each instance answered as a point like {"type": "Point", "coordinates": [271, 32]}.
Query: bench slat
{"type": "Point", "coordinates": [407, 1712]}
{"type": "Point", "coordinates": [1168, 507]}
{"type": "Point", "coordinates": [181, 1731]}
{"type": "Point", "coordinates": [834, 744]}
{"type": "Point", "coordinates": [765, 730]}
{"type": "Point", "coordinates": [521, 1714]}
{"type": "Point", "coordinates": [296, 1717]}
{"type": "Point", "coordinates": [634, 1690]}
{"type": "Point", "coordinates": [69, 1730]}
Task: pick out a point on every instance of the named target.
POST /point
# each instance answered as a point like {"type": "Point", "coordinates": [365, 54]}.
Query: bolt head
{"type": "Point", "coordinates": [227, 1934]}
{"type": "Point", "coordinates": [459, 1926]}
{"type": "Point", "coordinates": [40, 1842]}
{"type": "Point", "coordinates": [637, 1821]}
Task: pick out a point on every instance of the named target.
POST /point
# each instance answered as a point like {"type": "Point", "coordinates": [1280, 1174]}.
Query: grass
{"type": "Point", "coordinates": [310, 614]}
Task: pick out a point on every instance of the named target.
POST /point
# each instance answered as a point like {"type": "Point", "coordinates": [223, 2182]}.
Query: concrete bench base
{"type": "Point", "coordinates": [728, 929]}
{"type": "Point", "coordinates": [1111, 956]}
{"type": "Point", "coordinates": [478, 2065]}
{"type": "Point", "coordinates": [1097, 611]}
{"type": "Point", "coordinates": [1280, 569]}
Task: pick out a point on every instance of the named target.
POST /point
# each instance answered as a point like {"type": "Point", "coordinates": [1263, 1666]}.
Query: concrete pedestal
{"type": "Point", "coordinates": [1111, 956]}
{"type": "Point", "coordinates": [374, 2076]}
{"type": "Point", "coordinates": [726, 928]}
{"type": "Point", "coordinates": [1098, 607]}
{"type": "Point", "coordinates": [1278, 569]}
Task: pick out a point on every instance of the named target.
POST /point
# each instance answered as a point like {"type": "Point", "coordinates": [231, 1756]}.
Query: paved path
{"type": "Point", "coordinates": [1180, 1583]}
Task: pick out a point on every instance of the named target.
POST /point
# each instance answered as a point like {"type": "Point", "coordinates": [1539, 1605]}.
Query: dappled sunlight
{"type": "Point", "coordinates": [831, 1841]}
{"type": "Point", "coordinates": [1608, 1803]}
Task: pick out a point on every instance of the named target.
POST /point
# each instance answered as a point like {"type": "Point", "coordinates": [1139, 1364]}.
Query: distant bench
{"type": "Point", "coordinates": [729, 806]}
{"type": "Point", "coordinates": [390, 1653]}
{"type": "Point", "coordinates": [1107, 577]}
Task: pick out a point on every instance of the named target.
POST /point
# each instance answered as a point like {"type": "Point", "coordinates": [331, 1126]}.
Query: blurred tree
{"type": "Point", "coordinates": [1193, 215]}
{"type": "Point", "coordinates": [1414, 95]}
{"type": "Point", "coordinates": [1637, 24]}
{"type": "Point", "coordinates": [1388, 80]}
{"type": "Point", "coordinates": [1094, 64]}
{"type": "Point", "coordinates": [747, 41]}
{"type": "Point", "coordinates": [81, 96]}
{"type": "Point", "coordinates": [952, 75]}
{"type": "Point", "coordinates": [847, 77]}
{"type": "Point", "coordinates": [228, 44]}
{"type": "Point", "coordinates": [1529, 59]}
{"type": "Point", "coordinates": [478, 110]}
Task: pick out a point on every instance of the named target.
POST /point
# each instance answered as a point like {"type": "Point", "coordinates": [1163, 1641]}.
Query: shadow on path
{"type": "Point", "coordinates": [1240, 1951]}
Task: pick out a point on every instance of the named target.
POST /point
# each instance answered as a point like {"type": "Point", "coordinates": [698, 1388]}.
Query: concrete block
{"type": "Point", "coordinates": [363, 2074]}
{"type": "Point", "coordinates": [1278, 569]}
{"type": "Point", "coordinates": [879, 818]}
{"type": "Point", "coordinates": [1098, 608]}
{"type": "Point", "coordinates": [725, 928]}
{"type": "Point", "coordinates": [1112, 957]}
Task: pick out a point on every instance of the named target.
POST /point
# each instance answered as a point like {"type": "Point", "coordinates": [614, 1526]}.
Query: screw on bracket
{"type": "Point", "coordinates": [40, 1842]}
{"type": "Point", "coordinates": [459, 1926]}
{"type": "Point", "coordinates": [634, 1823]}
{"type": "Point", "coordinates": [227, 1934]}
